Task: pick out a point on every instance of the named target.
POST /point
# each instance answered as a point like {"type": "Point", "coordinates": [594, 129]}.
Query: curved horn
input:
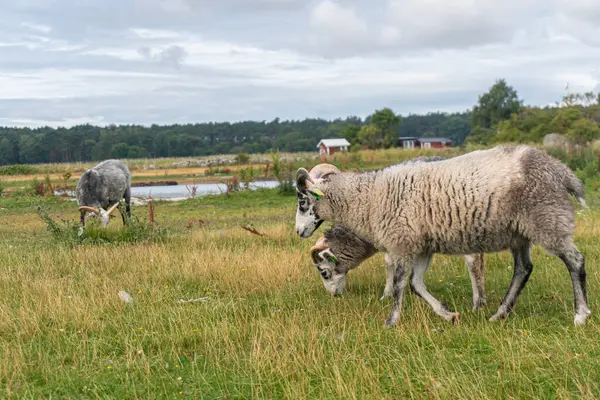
{"type": "Point", "coordinates": [321, 245]}
{"type": "Point", "coordinates": [86, 208]}
{"type": "Point", "coordinates": [113, 208]}
{"type": "Point", "coordinates": [323, 170]}
{"type": "Point", "coordinates": [303, 173]}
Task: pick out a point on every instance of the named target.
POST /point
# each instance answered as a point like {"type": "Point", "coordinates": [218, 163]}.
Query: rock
{"type": "Point", "coordinates": [555, 140]}
{"type": "Point", "coordinates": [123, 295]}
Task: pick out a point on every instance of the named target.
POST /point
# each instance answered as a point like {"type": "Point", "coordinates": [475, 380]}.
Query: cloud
{"type": "Point", "coordinates": [460, 23]}
{"type": "Point", "coordinates": [332, 19]}
{"type": "Point", "coordinates": [171, 55]}
{"type": "Point", "coordinates": [165, 61]}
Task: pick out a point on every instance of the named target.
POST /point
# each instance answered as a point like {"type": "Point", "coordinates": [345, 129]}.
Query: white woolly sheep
{"type": "Point", "coordinates": [504, 198]}
{"type": "Point", "coordinates": [338, 251]}
{"type": "Point", "coordinates": [104, 186]}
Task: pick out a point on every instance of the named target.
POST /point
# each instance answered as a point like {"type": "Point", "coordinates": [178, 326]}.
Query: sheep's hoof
{"type": "Point", "coordinates": [497, 317]}
{"type": "Point", "coordinates": [385, 296]}
{"type": "Point", "coordinates": [580, 318]}
{"type": "Point", "coordinates": [478, 306]}
{"type": "Point", "coordinates": [393, 318]}
{"type": "Point", "coordinates": [454, 318]}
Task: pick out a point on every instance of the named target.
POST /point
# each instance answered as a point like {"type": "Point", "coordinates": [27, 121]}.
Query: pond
{"type": "Point", "coordinates": [174, 191]}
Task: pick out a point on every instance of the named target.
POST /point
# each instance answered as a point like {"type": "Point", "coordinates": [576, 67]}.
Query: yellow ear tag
{"type": "Point", "coordinates": [317, 193]}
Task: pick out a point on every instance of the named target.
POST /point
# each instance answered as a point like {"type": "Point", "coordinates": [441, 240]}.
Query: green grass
{"type": "Point", "coordinates": [269, 329]}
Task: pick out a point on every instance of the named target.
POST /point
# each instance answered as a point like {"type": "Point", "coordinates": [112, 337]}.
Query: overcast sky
{"type": "Point", "coordinates": [64, 62]}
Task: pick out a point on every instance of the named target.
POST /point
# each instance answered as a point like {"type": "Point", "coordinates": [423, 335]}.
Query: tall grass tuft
{"type": "Point", "coordinates": [71, 233]}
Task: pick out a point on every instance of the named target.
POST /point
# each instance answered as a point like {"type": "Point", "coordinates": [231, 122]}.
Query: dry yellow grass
{"type": "Point", "coordinates": [268, 328]}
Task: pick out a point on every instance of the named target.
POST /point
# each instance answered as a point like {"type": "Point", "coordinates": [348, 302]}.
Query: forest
{"type": "Point", "coordinates": [498, 116]}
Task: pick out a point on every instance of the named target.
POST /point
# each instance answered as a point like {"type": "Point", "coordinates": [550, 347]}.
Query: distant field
{"type": "Point", "coordinates": [148, 170]}
{"type": "Point", "coordinates": [268, 328]}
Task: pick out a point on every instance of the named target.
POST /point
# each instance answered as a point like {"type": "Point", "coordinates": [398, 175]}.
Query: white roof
{"type": "Point", "coordinates": [333, 143]}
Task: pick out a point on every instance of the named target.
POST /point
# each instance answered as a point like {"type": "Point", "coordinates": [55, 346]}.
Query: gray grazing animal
{"type": "Point", "coordinates": [338, 251]}
{"type": "Point", "coordinates": [104, 186]}
{"type": "Point", "coordinates": [504, 198]}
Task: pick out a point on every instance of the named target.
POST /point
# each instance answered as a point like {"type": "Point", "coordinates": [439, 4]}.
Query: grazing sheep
{"type": "Point", "coordinates": [339, 251]}
{"type": "Point", "coordinates": [104, 186]}
{"type": "Point", "coordinates": [504, 198]}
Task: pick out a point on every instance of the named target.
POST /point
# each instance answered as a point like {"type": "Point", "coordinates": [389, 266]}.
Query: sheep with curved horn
{"type": "Point", "coordinates": [101, 188]}
{"type": "Point", "coordinates": [485, 201]}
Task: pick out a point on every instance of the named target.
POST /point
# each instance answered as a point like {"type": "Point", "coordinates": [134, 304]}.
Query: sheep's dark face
{"type": "Point", "coordinates": [332, 273]}
{"type": "Point", "coordinates": [307, 217]}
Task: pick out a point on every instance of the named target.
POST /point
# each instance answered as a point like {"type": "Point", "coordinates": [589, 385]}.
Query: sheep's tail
{"type": "Point", "coordinates": [573, 185]}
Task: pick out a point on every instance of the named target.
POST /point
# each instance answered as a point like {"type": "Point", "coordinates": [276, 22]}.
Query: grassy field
{"type": "Point", "coordinates": [268, 329]}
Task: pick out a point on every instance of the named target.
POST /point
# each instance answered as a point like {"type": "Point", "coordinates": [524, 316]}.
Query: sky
{"type": "Point", "coordinates": [66, 62]}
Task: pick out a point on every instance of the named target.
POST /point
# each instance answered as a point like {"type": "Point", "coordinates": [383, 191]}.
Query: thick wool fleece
{"type": "Point", "coordinates": [475, 203]}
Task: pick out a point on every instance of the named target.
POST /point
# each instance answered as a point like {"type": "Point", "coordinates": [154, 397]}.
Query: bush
{"type": "Point", "coordinates": [242, 158]}
{"type": "Point", "coordinates": [247, 176]}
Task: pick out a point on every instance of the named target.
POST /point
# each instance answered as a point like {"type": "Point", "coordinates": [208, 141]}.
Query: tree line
{"type": "Point", "coordinates": [498, 116]}
{"type": "Point", "coordinates": [91, 143]}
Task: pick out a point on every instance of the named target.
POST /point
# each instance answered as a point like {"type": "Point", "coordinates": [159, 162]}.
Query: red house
{"type": "Point", "coordinates": [409, 142]}
{"type": "Point", "coordinates": [330, 146]}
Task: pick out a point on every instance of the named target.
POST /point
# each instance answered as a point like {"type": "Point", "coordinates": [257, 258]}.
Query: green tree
{"type": "Point", "coordinates": [350, 133]}
{"type": "Point", "coordinates": [137, 152]}
{"type": "Point", "coordinates": [368, 135]}
{"type": "Point", "coordinates": [496, 105]}
{"type": "Point", "coordinates": [480, 135]}
{"type": "Point", "coordinates": [387, 124]}
{"type": "Point", "coordinates": [583, 131]}
{"type": "Point", "coordinates": [31, 149]}
{"type": "Point", "coordinates": [6, 152]}
{"type": "Point", "coordinates": [565, 118]}
{"type": "Point", "coordinates": [120, 150]}
{"type": "Point", "coordinates": [455, 127]}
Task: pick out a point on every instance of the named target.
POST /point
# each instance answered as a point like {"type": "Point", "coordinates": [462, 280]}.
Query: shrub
{"type": "Point", "coordinates": [242, 158]}
{"type": "Point", "coordinates": [286, 184]}
{"type": "Point", "coordinates": [247, 176]}
{"type": "Point", "coordinates": [36, 188]}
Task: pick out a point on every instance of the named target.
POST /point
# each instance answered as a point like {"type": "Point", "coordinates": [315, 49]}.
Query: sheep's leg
{"type": "Point", "coordinates": [475, 266]}
{"type": "Point", "coordinates": [127, 197]}
{"type": "Point", "coordinates": [418, 287]}
{"type": "Point", "coordinates": [389, 281]}
{"type": "Point", "coordinates": [575, 263]}
{"type": "Point", "coordinates": [82, 218]}
{"type": "Point", "coordinates": [401, 274]}
{"type": "Point", "coordinates": [521, 273]}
